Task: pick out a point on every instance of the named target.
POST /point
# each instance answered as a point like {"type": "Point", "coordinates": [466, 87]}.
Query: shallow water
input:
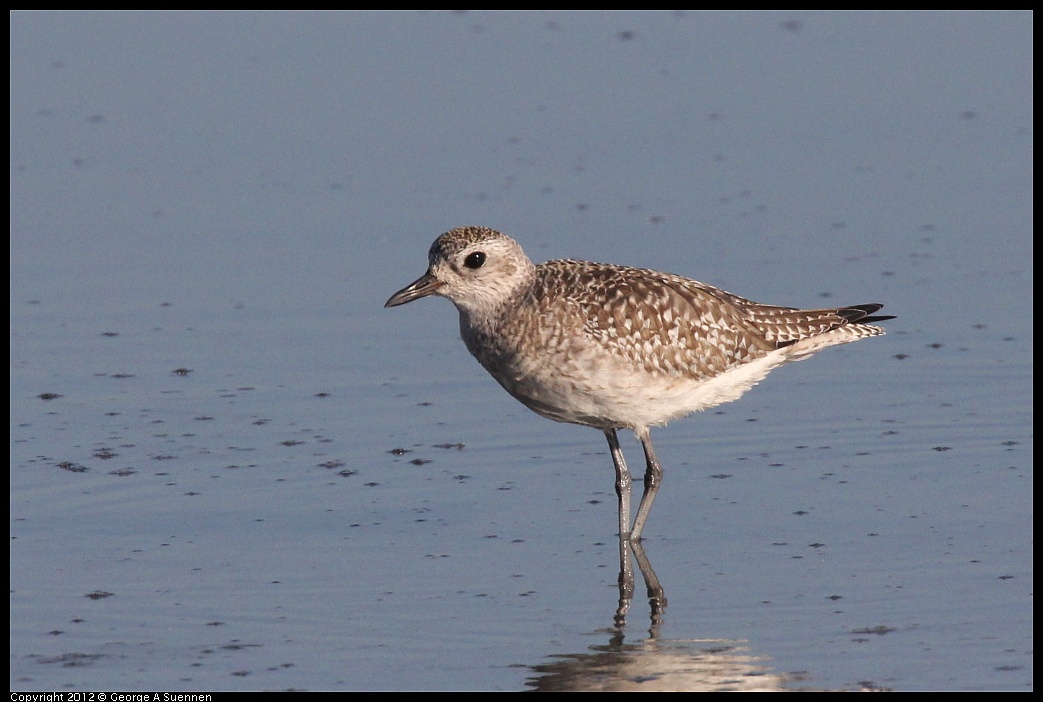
{"type": "Point", "coordinates": [247, 475]}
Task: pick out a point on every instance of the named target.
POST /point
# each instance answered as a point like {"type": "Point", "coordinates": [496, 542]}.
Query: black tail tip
{"type": "Point", "coordinates": [863, 314]}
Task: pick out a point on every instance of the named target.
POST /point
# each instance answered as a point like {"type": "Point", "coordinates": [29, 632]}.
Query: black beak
{"type": "Point", "coordinates": [423, 286]}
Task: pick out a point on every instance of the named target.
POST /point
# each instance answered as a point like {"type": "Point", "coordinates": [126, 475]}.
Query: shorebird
{"type": "Point", "coordinates": [613, 347]}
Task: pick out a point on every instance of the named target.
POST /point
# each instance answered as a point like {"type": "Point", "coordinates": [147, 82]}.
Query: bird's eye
{"type": "Point", "coordinates": [475, 260]}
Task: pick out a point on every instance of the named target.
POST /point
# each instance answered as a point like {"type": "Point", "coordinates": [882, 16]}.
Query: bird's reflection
{"type": "Point", "coordinates": [653, 664]}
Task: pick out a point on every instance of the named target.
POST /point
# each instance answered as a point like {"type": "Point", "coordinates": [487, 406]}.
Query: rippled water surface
{"type": "Point", "coordinates": [232, 469]}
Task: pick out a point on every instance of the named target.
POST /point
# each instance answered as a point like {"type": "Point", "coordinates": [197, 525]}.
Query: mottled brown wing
{"type": "Point", "coordinates": [672, 325]}
{"type": "Point", "coordinates": [661, 323]}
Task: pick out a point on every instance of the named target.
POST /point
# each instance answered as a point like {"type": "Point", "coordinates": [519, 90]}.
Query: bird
{"type": "Point", "coordinates": [614, 347]}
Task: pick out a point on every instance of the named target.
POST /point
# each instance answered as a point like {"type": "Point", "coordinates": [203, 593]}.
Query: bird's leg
{"type": "Point", "coordinates": [626, 569]}
{"type": "Point", "coordinates": [653, 478]}
{"type": "Point", "coordinates": [622, 483]}
{"type": "Point", "coordinates": [626, 583]}
{"type": "Point", "coordinates": [656, 596]}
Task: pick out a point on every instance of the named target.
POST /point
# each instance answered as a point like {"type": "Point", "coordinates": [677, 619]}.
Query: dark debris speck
{"type": "Point", "coordinates": [98, 595]}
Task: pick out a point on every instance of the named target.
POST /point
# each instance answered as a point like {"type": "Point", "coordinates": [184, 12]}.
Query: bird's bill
{"type": "Point", "coordinates": [423, 286]}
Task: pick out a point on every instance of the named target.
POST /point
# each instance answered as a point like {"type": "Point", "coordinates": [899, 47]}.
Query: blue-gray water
{"type": "Point", "coordinates": [234, 195]}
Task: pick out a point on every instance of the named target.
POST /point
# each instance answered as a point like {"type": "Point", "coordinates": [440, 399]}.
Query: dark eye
{"type": "Point", "coordinates": [475, 260]}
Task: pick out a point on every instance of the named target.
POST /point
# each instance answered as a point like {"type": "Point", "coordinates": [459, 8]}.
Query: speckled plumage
{"type": "Point", "coordinates": [611, 347]}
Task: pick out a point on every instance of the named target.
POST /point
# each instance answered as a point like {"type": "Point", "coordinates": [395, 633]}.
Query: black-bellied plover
{"type": "Point", "coordinates": [612, 347]}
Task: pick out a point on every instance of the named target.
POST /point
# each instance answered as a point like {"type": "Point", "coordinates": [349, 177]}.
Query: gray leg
{"type": "Point", "coordinates": [656, 596]}
{"type": "Point", "coordinates": [626, 569]}
{"type": "Point", "coordinates": [653, 478]}
{"type": "Point", "coordinates": [626, 582]}
{"type": "Point", "coordinates": [622, 483]}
